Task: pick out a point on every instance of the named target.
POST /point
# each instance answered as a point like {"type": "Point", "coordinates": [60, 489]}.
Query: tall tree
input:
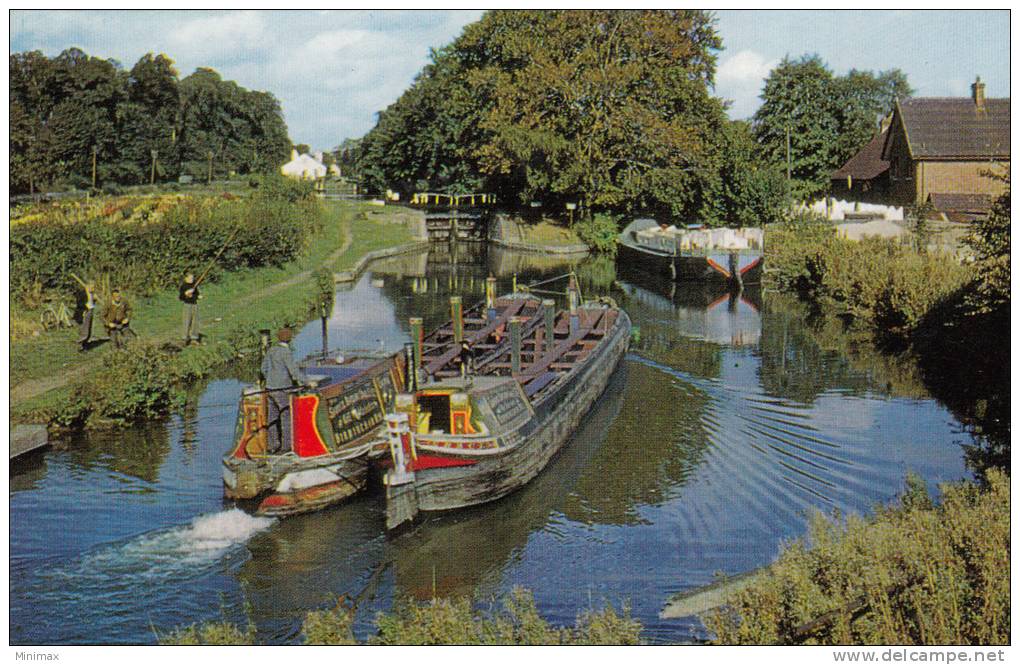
{"type": "Point", "coordinates": [819, 120]}
{"type": "Point", "coordinates": [608, 108]}
{"type": "Point", "coordinates": [150, 120]}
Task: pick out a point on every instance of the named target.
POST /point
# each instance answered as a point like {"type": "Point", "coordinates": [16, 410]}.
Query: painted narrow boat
{"type": "Point", "coordinates": [729, 256]}
{"type": "Point", "coordinates": [336, 423]}
{"type": "Point", "coordinates": [333, 426]}
{"type": "Point", "coordinates": [459, 442]}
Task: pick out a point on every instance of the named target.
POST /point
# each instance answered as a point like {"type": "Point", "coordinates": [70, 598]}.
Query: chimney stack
{"type": "Point", "coordinates": [977, 89]}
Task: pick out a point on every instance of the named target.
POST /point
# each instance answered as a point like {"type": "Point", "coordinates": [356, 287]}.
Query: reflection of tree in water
{"type": "Point", "coordinates": [652, 446]}
{"type": "Point", "coordinates": [138, 451]}
{"type": "Point", "coordinates": [805, 353]}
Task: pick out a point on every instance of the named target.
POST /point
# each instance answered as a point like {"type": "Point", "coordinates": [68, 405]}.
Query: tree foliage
{"type": "Point", "coordinates": [66, 109]}
{"type": "Point", "coordinates": [828, 118]}
{"type": "Point", "coordinates": [990, 240]}
{"type": "Point", "coordinates": [610, 109]}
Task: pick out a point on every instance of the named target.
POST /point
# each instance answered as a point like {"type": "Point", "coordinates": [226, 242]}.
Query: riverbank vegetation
{"type": "Point", "coordinates": [110, 387]}
{"type": "Point", "coordinates": [440, 621]}
{"type": "Point", "coordinates": [952, 318]}
{"type": "Point", "coordinates": [916, 573]}
{"type": "Point", "coordinates": [74, 114]}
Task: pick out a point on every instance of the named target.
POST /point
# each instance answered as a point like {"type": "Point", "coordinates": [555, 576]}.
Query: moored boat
{"type": "Point", "coordinates": [459, 442]}
{"type": "Point", "coordinates": [731, 256]}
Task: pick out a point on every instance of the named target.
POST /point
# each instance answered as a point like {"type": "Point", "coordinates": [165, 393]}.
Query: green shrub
{"type": "Point", "coordinates": [454, 621]}
{"type": "Point", "coordinates": [876, 280]}
{"type": "Point", "coordinates": [215, 633]}
{"type": "Point", "coordinates": [912, 574]}
{"type": "Point", "coordinates": [146, 244]}
{"type": "Point", "coordinates": [599, 232]}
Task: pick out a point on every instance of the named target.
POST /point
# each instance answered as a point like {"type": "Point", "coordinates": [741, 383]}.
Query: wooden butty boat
{"type": "Point", "coordinates": [459, 442]}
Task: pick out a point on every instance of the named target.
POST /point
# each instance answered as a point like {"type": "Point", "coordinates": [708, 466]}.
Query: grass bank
{"type": "Point", "coordinates": [55, 384]}
{"type": "Point", "coordinates": [438, 622]}
{"type": "Point", "coordinates": [915, 573]}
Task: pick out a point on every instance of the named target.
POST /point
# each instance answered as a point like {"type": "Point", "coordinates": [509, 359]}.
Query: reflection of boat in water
{"type": "Point", "coordinates": [706, 312]}
{"type": "Point", "coordinates": [334, 423]}
{"type": "Point", "coordinates": [461, 442]}
{"type": "Point", "coordinates": [728, 256]}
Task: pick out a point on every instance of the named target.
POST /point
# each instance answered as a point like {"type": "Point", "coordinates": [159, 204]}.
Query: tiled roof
{"type": "Point", "coordinates": [971, 203]}
{"type": "Point", "coordinates": [866, 164]}
{"type": "Point", "coordinates": [953, 127]}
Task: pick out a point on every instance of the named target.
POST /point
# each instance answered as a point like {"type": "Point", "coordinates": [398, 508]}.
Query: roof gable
{"type": "Point", "coordinates": [954, 128]}
{"type": "Point", "coordinates": [868, 163]}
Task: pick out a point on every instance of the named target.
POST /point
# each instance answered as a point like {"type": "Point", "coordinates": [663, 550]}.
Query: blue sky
{"type": "Point", "coordinates": [333, 70]}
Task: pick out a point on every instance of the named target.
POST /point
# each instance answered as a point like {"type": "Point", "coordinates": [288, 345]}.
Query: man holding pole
{"type": "Point", "coordinates": [88, 309]}
{"type": "Point", "coordinates": [189, 295]}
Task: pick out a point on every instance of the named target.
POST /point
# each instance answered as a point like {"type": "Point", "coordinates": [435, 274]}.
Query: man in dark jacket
{"type": "Point", "coordinates": [281, 374]}
{"type": "Point", "coordinates": [189, 295]}
{"type": "Point", "coordinates": [117, 317]}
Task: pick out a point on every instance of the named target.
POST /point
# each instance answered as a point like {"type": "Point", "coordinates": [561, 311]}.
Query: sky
{"type": "Point", "coordinates": [333, 70]}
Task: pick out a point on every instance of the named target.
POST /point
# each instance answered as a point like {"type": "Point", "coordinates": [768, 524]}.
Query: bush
{"type": "Point", "coordinates": [216, 633]}
{"type": "Point", "coordinates": [146, 243]}
{"type": "Point", "coordinates": [913, 574]}
{"type": "Point", "coordinates": [876, 280]}
{"type": "Point", "coordinates": [599, 232]}
{"type": "Point", "coordinates": [453, 621]}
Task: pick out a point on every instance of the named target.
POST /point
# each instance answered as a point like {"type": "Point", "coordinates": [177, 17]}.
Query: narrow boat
{"type": "Point", "coordinates": [333, 425]}
{"type": "Point", "coordinates": [730, 256]}
{"type": "Point", "coordinates": [336, 422]}
{"type": "Point", "coordinates": [459, 442]}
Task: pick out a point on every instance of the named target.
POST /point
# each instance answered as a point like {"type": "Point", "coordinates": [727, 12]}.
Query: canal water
{"type": "Point", "coordinates": [731, 419]}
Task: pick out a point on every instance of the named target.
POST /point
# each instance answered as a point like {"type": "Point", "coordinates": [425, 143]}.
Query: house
{"type": "Point", "coordinates": [865, 176]}
{"type": "Point", "coordinates": [303, 167]}
{"type": "Point", "coordinates": [939, 148]}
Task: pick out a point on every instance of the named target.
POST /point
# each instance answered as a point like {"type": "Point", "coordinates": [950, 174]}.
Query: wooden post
{"type": "Point", "coordinates": [417, 337]}
{"type": "Point", "coordinates": [209, 181]}
{"type": "Point", "coordinates": [94, 167]}
{"type": "Point", "coordinates": [515, 344]}
{"type": "Point", "coordinates": [550, 323]}
{"type": "Point", "coordinates": [457, 314]}
{"type": "Point", "coordinates": [152, 178]}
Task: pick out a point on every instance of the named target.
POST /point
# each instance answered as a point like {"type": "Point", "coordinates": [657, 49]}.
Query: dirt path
{"type": "Point", "coordinates": [34, 387]}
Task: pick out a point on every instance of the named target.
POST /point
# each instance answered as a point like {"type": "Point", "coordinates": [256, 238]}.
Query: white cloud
{"type": "Point", "coordinates": [740, 78]}
{"type": "Point", "coordinates": [220, 35]}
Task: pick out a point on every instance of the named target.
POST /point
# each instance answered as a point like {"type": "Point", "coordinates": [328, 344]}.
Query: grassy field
{"type": "Point", "coordinates": [236, 306]}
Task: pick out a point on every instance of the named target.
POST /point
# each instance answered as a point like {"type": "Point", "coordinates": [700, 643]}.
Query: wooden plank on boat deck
{"type": "Point", "coordinates": [26, 438]}
{"type": "Point", "coordinates": [560, 349]}
{"type": "Point", "coordinates": [515, 306]}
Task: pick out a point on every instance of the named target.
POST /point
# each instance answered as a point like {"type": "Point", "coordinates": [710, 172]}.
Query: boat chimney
{"type": "Point", "coordinates": [549, 306]}
{"type": "Point", "coordinates": [515, 344]}
{"type": "Point", "coordinates": [410, 375]}
{"type": "Point", "coordinates": [457, 314]}
{"type": "Point", "coordinates": [977, 92]}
